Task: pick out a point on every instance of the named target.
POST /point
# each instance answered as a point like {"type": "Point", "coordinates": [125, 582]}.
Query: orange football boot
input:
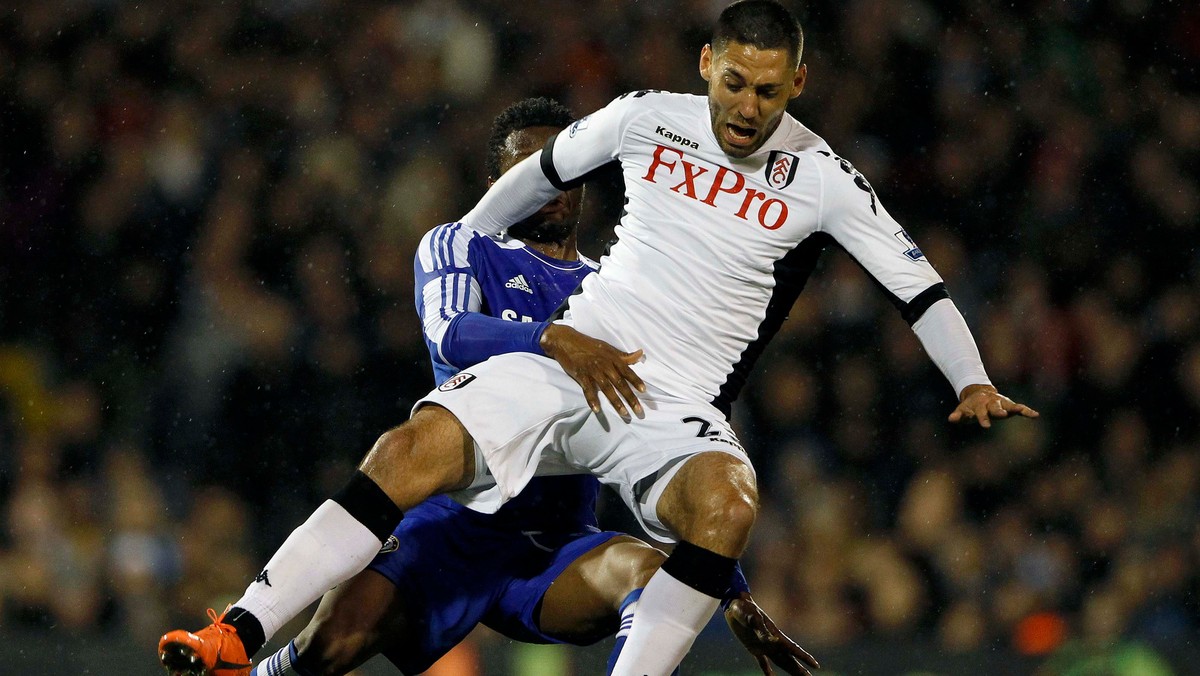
{"type": "Point", "coordinates": [215, 650]}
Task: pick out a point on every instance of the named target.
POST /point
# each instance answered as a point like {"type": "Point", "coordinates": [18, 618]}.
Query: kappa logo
{"type": "Point", "coordinates": [390, 545]}
{"type": "Point", "coordinates": [262, 577]}
{"type": "Point", "coordinates": [781, 169]}
{"type": "Point", "coordinates": [519, 284]}
{"type": "Point", "coordinates": [577, 126]}
{"type": "Point", "coordinates": [681, 140]}
{"type": "Point", "coordinates": [455, 382]}
{"type": "Point", "coordinates": [911, 249]}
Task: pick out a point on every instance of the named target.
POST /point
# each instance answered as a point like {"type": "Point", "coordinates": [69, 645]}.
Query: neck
{"type": "Point", "coordinates": [565, 250]}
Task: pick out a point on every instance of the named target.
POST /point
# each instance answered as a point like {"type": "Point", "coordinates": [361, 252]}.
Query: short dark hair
{"type": "Point", "coordinates": [764, 24]}
{"type": "Point", "coordinates": [533, 112]}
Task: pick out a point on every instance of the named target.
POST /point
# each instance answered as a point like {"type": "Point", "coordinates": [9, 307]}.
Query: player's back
{"type": "Point", "coordinates": [464, 271]}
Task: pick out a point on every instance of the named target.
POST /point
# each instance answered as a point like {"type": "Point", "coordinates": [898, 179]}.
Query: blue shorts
{"type": "Point", "coordinates": [456, 569]}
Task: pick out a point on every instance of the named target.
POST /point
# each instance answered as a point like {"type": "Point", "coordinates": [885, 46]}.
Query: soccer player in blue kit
{"type": "Point", "coordinates": [539, 570]}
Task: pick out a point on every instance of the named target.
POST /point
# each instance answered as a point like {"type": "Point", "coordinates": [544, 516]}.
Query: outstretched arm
{"type": "Point", "coordinates": [947, 340]}
{"type": "Point", "coordinates": [857, 220]}
{"type": "Point", "coordinates": [759, 635]}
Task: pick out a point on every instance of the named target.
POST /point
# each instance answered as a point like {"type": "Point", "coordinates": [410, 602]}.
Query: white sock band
{"type": "Point", "coordinates": [669, 616]}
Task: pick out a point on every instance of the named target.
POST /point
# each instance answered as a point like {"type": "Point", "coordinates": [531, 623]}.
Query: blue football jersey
{"type": "Point", "coordinates": [460, 271]}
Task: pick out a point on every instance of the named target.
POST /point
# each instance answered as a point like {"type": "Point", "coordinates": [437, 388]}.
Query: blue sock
{"type": "Point", "coordinates": [628, 608]}
{"type": "Point", "coordinates": [282, 663]}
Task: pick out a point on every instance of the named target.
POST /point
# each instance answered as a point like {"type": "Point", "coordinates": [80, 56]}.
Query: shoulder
{"type": "Point", "coordinates": [845, 190]}
{"type": "Point", "coordinates": [635, 104]}
{"type": "Point", "coordinates": [447, 245]}
{"type": "Point", "coordinates": [448, 231]}
{"type": "Point", "coordinates": [801, 140]}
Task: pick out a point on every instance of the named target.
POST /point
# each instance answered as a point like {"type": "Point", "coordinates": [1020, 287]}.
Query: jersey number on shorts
{"type": "Point", "coordinates": [705, 427]}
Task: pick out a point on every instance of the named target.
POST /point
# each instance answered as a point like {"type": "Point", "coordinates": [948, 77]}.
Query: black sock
{"type": "Point", "coordinates": [701, 569]}
{"type": "Point", "coordinates": [364, 500]}
{"type": "Point", "coordinates": [249, 629]}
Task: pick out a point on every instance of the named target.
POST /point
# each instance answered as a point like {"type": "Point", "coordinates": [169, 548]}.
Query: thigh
{"type": "Point", "coordinates": [517, 611]}
{"type": "Point", "coordinates": [583, 603]}
{"type": "Point", "coordinates": [517, 408]}
{"type": "Point", "coordinates": [431, 453]}
{"type": "Point", "coordinates": [529, 417]}
{"type": "Point", "coordinates": [639, 458]}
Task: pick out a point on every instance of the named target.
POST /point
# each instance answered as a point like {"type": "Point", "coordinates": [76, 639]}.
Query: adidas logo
{"type": "Point", "coordinates": [519, 283]}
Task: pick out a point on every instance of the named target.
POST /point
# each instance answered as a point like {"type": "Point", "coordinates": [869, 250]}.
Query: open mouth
{"type": "Point", "coordinates": [739, 135]}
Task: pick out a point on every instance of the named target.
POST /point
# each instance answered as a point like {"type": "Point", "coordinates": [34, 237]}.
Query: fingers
{"type": "Point", "coordinates": [589, 395]}
{"type": "Point", "coordinates": [798, 657]}
{"type": "Point", "coordinates": [1020, 409]}
{"type": "Point", "coordinates": [765, 665]}
{"type": "Point", "coordinates": [982, 408]}
{"type": "Point", "coordinates": [792, 665]}
{"type": "Point", "coordinates": [619, 385]}
{"type": "Point", "coordinates": [618, 392]}
{"type": "Point", "coordinates": [967, 415]}
{"type": "Point", "coordinates": [804, 656]}
{"type": "Point", "coordinates": [629, 375]}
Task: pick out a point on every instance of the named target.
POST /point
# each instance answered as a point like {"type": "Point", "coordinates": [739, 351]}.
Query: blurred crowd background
{"type": "Point", "coordinates": [208, 213]}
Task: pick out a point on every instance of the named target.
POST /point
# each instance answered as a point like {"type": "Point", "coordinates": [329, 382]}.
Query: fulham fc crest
{"type": "Point", "coordinates": [781, 169]}
{"type": "Point", "coordinates": [390, 545]}
{"type": "Point", "coordinates": [455, 382]}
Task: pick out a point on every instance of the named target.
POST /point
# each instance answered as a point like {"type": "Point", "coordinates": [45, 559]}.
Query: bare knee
{"type": "Point", "coordinates": [430, 454]}
{"type": "Point", "coordinates": [633, 563]}
{"type": "Point", "coordinates": [712, 502]}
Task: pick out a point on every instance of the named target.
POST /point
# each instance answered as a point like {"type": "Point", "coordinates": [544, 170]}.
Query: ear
{"type": "Point", "coordinates": [799, 80]}
{"type": "Point", "coordinates": [706, 60]}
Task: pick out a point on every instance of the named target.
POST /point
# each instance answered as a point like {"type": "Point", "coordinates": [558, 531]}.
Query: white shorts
{"type": "Point", "coordinates": [529, 418]}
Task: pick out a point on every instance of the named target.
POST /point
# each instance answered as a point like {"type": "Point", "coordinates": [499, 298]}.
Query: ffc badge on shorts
{"type": "Point", "coordinates": [456, 382]}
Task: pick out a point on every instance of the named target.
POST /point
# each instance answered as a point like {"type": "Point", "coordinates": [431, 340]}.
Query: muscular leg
{"type": "Point", "coordinates": [582, 605]}
{"type": "Point", "coordinates": [710, 504]}
{"type": "Point", "coordinates": [431, 453]}
{"type": "Point", "coordinates": [351, 625]}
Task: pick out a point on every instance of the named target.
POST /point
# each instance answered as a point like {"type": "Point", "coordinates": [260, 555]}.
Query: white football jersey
{"type": "Point", "coordinates": [712, 251]}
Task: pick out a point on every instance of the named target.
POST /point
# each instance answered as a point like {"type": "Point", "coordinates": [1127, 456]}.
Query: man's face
{"type": "Point", "coordinates": [748, 92]}
{"type": "Point", "coordinates": [557, 220]}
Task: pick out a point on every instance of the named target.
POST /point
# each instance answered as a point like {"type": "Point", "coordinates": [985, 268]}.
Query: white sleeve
{"type": "Point", "coordinates": [587, 144]}
{"type": "Point", "coordinates": [944, 334]}
{"type": "Point", "coordinates": [852, 214]}
{"type": "Point", "coordinates": [519, 193]}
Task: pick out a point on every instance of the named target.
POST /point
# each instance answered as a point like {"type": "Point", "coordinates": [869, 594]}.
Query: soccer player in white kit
{"type": "Point", "coordinates": [730, 200]}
